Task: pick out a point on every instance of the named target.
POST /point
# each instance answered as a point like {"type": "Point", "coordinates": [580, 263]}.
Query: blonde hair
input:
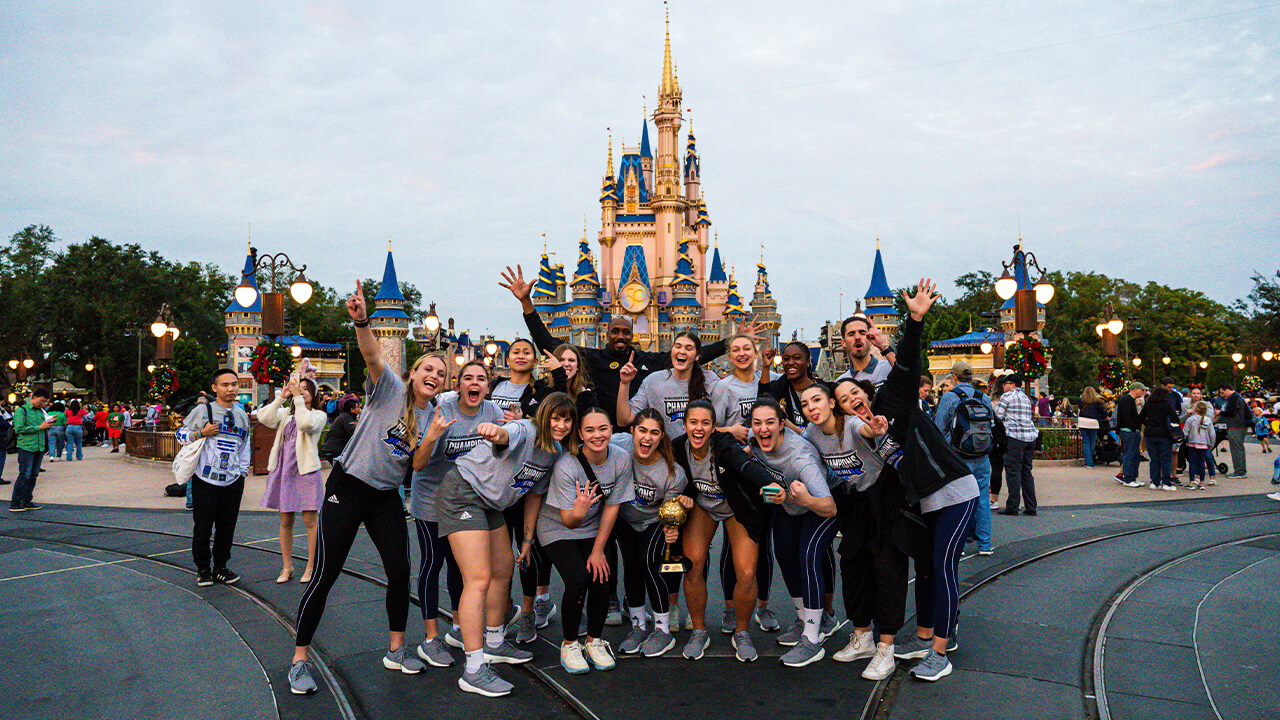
{"type": "Point", "coordinates": [1089, 396]}
{"type": "Point", "coordinates": [1201, 408]}
{"type": "Point", "coordinates": [410, 415]}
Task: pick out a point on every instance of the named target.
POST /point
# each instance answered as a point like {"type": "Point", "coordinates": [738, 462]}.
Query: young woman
{"type": "Point", "coordinates": [725, 483]}
{"type": "Point", "coordinates": [732, 398]}
{"type": "Point", "coordinates": [574, 524]}
{"type": "Point", "coordinates": [560, 374]}
{"type": "Point", "coordinates": [457, 416]}
{"type": "Point", "coordinates": [797, 376]}
{"type": "Point", "coordinates": [1198, 428]}
{"type": "Point", "coordinates": [938, 489]}
{"type": "Point", "coordinates": [75, 430]}
{"type": "Point", "coordinates": [363, 489]}
{"type": "Point", "coordinates": [873, 567]}
{"type": "Point", "coordinates": [100, 425]}
{"type": "Point", "coordinates": [512, 460]}
{"type": "Point", "coordinates": [294, 485]}
{"type": "Point", "coordinates": [667, 391]}
{"type": "Point", "coordinates": [803, 532]}
{"type": "Point", "coordinates": [508, 394]}
{"type": "Point", "coordinates": [656, 478]}
{"type": "Point", "coordinates": [1093, 417]}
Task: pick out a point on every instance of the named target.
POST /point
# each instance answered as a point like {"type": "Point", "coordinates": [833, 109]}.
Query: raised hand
{"type": "Point", "coordinates": [627, 372]}
{"type": "Point", "coordinates": [492, 432]}
{"type": "Point", "coordinates": [923, 299]}
{"type": "Point", "coordinates": [355, 304]}
{"type": "Point", "coordinates": [879, 424]}
{"type": "Point", "coordinates": [550, 362]}
{"type": "Point", "coordinates": [587, 496]}
{"type": "Point", "coordinates": [512, 413]}
{"type": "Point", "coordinates": [515, 282]}
{"type": "Point", "coordinates": [876, 338]}
{"type": "Point", "coordinates": [439, 426]}
{"type": "Point", "coordinates": [751, 329]}
{"type": "Point", "coordinates": [767, 359]}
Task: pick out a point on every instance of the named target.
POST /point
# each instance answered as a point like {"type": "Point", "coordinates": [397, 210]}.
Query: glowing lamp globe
{"type": "Point", "coordinates": [491, 347]}
{"type": "Point", "coordinates": [1166, 360]}
{"type": "Point", "coordinates": [300, 290]}
{"type": "Point", "coordinates": [1006, 286]}
{"type": "Point", "coordinates": [28, 363]}
{"type": "Point", "coordinates": [432, 324]}
{"type": "Point", "coordinates": [1116, 326]}
{"type": "Point", "coordinates": [295, 350]}
{"type": "Point", "coordinates": [1099, 328]}
{"type": "Point", "coordinates": [1236, 357]}
{"type": "Point", "coordinates": [1267, 355]}
{"type": "Point", "coordinates": [246, 294]}
{"type": "Point", "coordinates": [1044, 292]}
{"type": "Point", "coordinates": [1239, 366]}
{"type": "Point", "coordinates": [13, 364]}
{"type": "Point", "coordinates": [151, 368]}
{"type": "Point", "coordinates": [88, 367]}
{"type": "Point", "coordinates": [159, 328]}
{"type": "Point", "coordinates": [174, 331]}
{"type": "Point", "coordinates": [985, 348]}
{"type": "Point", "coordinates": [1137, 362]}
{"type": "Point", "coordinates": [1204, 364]}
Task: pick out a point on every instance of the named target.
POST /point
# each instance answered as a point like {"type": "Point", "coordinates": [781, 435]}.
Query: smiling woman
{"type": "Point", "coordinates": [669, 391]}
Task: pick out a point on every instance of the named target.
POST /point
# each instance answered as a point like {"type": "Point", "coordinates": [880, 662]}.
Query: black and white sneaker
{"type": "Point", "coordinates": [225, 576]}
{"type": "Point", "coordinates": [204, 578]}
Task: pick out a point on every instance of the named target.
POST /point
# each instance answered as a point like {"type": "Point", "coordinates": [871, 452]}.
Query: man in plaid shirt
{"type": "Point", "coordinates": [1016, 412]}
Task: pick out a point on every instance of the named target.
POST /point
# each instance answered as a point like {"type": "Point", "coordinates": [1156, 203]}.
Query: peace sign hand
{"type": "Point", "coordinates": [355, 304]}
{"type": "Point", "coordinates": [627, 372]}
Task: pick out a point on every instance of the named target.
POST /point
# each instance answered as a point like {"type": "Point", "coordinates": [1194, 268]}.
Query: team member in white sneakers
{"type": "Point", "coordinates": [512, 460]}
{"type": "Point", "coordinates": [573, 525]}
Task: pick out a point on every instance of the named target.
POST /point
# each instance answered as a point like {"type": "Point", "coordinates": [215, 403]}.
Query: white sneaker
{"type": "Point", "coordinates": [1152, 486]}
{"type": "Point", "coordinates": [1169, 488]}
{"type": "Point", "coordinates": [571, 658]}
{"type": "Point", "coordinates": [860, 646]}
{"type": "Point", "coordinates": [1274, 496]}
{"type": "Point", "coordinates": [600, 654]}
{"type": "Point", "coordinates": [1134, 484]}
{"type": "Point", "coordinates": [882, 664]}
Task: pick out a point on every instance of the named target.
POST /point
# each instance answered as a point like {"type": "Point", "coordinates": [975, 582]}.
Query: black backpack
{"type": "Point", "coordinates": [970, 429]}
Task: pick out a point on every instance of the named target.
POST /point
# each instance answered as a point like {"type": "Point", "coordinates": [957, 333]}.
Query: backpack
{"type": "Point", "coordinates": [970, 429]}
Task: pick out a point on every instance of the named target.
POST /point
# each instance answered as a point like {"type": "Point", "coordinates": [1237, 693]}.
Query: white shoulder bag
{"type": "Point", "coordinates": [188, 457]}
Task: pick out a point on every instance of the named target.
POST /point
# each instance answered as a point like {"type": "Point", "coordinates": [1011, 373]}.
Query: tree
{"type": "Point", "coordinates": [22, 267]}
{"type": "Point", "coordinates": [195, 366]}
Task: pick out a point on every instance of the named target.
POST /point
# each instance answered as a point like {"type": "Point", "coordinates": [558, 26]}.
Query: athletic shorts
{"type": "Point", "coordinates": [459, 508]}
{"type": "Point", "coordinates": [717, 508]}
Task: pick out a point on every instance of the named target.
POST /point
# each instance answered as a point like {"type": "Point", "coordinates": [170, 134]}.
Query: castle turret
{"type": "Point", "coordinates": [584, 309]}
{"type": "Point", "coordinates": [609, 203]}
{"type": "Point", "coordinates": [684, 309]}
{"type": "Point", "coordinates": [692, 178]}
{"type": "Point", "coordinates": [717, 287]}
{"type": "Point", "coordinates": [389, 322]}
{"type": "Point", "coordinates": [544, 288]}
{"type": "Point", "coordinates": [879, 297]}
{"type": "Point", "coordinates": [765, 308]}
{"type": "Point", "coordinates": [646, 154]}
{"type": "Point", "coordinates": [668, 204]}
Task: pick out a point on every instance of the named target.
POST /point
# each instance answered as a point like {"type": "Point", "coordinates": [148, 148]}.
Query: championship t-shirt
{"type": "Point", "coordinates": [457, 441]}
{"type": "Point", "coordinates": [380, 449]}
{"type": "Point", "coordinates": [506, 395]}
{"type": "Point", "coordinates": [652, 485]}
{"type": "Point", "coordinates": [613, 479]}
{"type": "Point", "coordinates": [795, 459]}
{"type": "Point", "coordinates": [850, 458]}
{"type": "Point", "coordinates": [663, 392]}
{"type": "Point", "coordinates": [502, 474]}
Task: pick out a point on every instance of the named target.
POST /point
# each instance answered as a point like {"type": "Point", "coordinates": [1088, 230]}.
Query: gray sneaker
{"type": "Point", "coordinates": [635, 639]}
{"type": "Point", "coordinates": [767, 621]}
{"type": "Point", "coordinates": [674, 617]}
{"type": "Point", "coordinates": [453, 638]}
{"type": "Point", "coordinates": [803, 653]}
{"type": "Point", "coordinates": [913, 649]}
{"type": "Point", "coordinates": [526, 630]}
{"type": "Point", "coordinates": [402, 659]}
{"type": "Point", "coordinates": [484, 682]}
{"type": "Point", "coordinates": [792, 636]}
{"type": "Point", "coordinates": [543, 611]}
{"type": "Point", "coordinates": [658, 643]}
{"type": "Point", "coordinates": [730, 621]}
{"type": "Point", "coordinates": [506, 653]}
{"type": "Point", "coordinates": [614, 618]}
{"type": "Point", "coordinates": [828, 627]}
{"type": "Point", "coordinates": [300, 680]}
{"type": "Point", "coordinates": [933, 667]}
{"type": "Point", "coordinates": [744, 648]}
{"type": "Point", "coordinates": [435, 653]}
{"type": "Point", "coordinates": [699, 641]}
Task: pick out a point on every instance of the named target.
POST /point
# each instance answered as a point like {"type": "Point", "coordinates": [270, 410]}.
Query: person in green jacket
{"type": "Point", "coordinates": [31, 426]}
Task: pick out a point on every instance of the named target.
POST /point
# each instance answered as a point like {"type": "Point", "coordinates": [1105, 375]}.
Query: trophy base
{"type": "Point", "coordinates": [675, 566]}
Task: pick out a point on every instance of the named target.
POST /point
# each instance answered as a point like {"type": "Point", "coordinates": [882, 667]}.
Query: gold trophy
{"type": "Point", "coordinates": [672, 514]}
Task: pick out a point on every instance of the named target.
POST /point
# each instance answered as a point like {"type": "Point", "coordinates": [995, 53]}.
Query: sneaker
{"type": "Point", "coordinates": [699, 641]}
{"type": "Point", "coordinates": [28, 505]}
{"type": "Point", "coordinates": [1134, 484]}
{"type": "Point", "coordinates": [828, 626]}
{"type": "Point", "coordinates": [743, 648]}
{"type": "Point", "coordinates": [17, 508]}
{"type": "Point", "coordinates": [600, 654]}
{"type": "Point", "coordinates": [435, 653]}
{"type": "Point", "coordinates": [792, 636]}
{"type": "Point", "coordinates": [484, 682]}
{"type": "Point", "coordinates": [1119, 481]}
{"type": "Point", "coordinates": [1212, 481]}
{"type": "Point", "coordinates": [767, 621]}
{"type": "Point", "coordinates": [635, 640]}
{"type": "Point", "coordinates": [453, 638]}
{"type": "Point", "coordinates": [571, 658]}
{"type": "Point", "coordinates": [506, 653]}
{"type": "Point", "coordinates": [402, 659]}
{"type": "Point", "coordinates": [1274, 496]}
{"type": "Point", "coordinates": [543, 611]}
{"type": "Point", "coordinates": [1169, 488]}
{"type": "Point", "coordinates": [658, 643]}
{"type": "Point", "coordinates": [300, 680]}
{"type": "Point", "coordinates": [225, 576]}
{"type": "Point", "coordinates": [204, 578]}
{"type": "Point", "coordinates": [913, 649]}
{"type": "Point", "coordinates": [988, 551]}
{"type": "Point", "coordinates": [803, 653]}
{"type": "Point", "coordinates": [729, 622]}
{"type": "Point", "coordinates": [881, 665]}
{"type": "Point", "coordinates": [933, 667]}
{"type": "Point", "coordinates": [860, 646]}
{"type": "Point", "coordinates": [526, 629]}
{"type": "Point", "coordinates": [614, 618]}
{"type": "Point", "coordinates": [996, 505]}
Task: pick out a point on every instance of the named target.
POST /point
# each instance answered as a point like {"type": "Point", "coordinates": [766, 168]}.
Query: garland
{"type": "Point", "coordinates": [21, 390]}
{"type": "Point", "coordinates": [1111, 374]}
{"type": "Point", "coordinates": [1026, 356]}
{"type": "Point", "coordinates": [272, 363]}
{"type": "Point", "coordinates": [164, 383]}
{"type": "Point", "coordinates": [1251, 383]}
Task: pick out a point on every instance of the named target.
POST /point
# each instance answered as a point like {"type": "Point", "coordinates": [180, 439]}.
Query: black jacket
{"type": "Point", "coordinates": [537, 391]}
{"type": "Point", "coordinates": [780, 389]}
{"type": "Point", "coordinates": [1127, 413]}
{"type": "Point", "coordinates": [914, 445]}
{"type": "Point", "coordinates": [741, 477]}
{"type": "Point", "coordinates": [1236, 413]}
{"type": "Point", "coordinates": [1157, 420]}
{"type": "Point", "coordinates": [603, 364]}
{"type": "Point", "coordinates": [339, 433]}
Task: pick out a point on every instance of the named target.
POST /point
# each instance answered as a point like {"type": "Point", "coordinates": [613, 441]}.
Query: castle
{"type": "Point", "coordinates": [654, 238]}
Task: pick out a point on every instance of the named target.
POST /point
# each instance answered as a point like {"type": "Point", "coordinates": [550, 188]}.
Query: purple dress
{"type": "Point", "coordinates": [287, 490]}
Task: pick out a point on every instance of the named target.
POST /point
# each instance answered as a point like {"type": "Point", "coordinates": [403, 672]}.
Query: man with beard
{"type": "Point", "coordinates": [859, 334]}
{"type": "Point", "coordinates": [602, 365]}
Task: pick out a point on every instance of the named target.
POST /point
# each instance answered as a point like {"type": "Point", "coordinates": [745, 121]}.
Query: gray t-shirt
{"type": "Point", "coordinates": [953, 493]}
{"type": "Point", "coordinates": [853, 462]}
{"type": "Point", "coordinates": [614, 477]}
{"type": "Point", "coordinates": [456, 442]}
{"type": "Point", "coordinates": [877, 371]}
{"type": "Point", "coordinates": [652, 485]}
{"type": "Point", "coordinates": [379, 452]}
{"type": "Point", "coordinates": [733, 398]}
{"type": "Point", "coordinates": [706, 477]}
{"type": "Point", "coordinates": [506, 395]}
{"type": "Point", "coordinates": [502, 475]}
{"type": "Point", "coordinates": [669, 396]}
{"type": "Point", "coordinates": [227, 456]}
{"type": "Point", "coordinates": [796, 459]}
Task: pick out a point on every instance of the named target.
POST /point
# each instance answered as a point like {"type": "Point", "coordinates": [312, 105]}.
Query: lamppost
{"type": "Point", "coordinates": [431, 325]}
{"type": "Point", "coordinates": [1027, 296]}
{"type": "Point", "coordinates": [273, 301]}
{"type": "Point", "coordinates": [1109, 330]}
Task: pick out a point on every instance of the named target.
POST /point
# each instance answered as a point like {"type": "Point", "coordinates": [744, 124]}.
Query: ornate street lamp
{"type": "Point", "coordinates": [273, 301]}
{"type": "Point", "coordinates": [13, 364]}
{"type": "Point", "coordinates": [1025, 315]}
{"type": "Point", "coordinates": [88, 367]}
{"type": "Point", "coordinates": [165, 332]}
{"type": "Point", "coordinates": [1109, 330]}
{"type": "Point", "coordinates": [1137, 362]}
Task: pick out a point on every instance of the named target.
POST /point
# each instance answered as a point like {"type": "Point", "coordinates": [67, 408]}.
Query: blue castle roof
{"type": "Point", "coordinates": [247, 272]}
{"type": "Point", "coordinates": [633, 263]}
{"type": "Point", "coordinates": [631, 164]}
{"type": "Point", "coordinates": [763, 275]}
{"type": "Point", "coordinates": [973, 338]}
{"type": "Point", "coordinates": [644, 140]}
{"type": "Point", "coordinates": [390, 288]}
{"type": "Point", "coordinates": [692, 165]}
{"type": "Point", "coordinates": [733, 305]}
{"type": "Point", "coordinates": [704, 220]}
{"type": "Point", "coordinates": [306, 344]}
{"type": "Point", "coordinates": [586, 272]}
{"type": "Point", "coordinates": [1019, 274]}
{"type": "Point", "coordinates": [545, 285]}
{"type": "Point", "coordinates": [879, 285]}
{"type": "Point", "coordinates": [717, 269]}
{"type": "Point", "coordinates": [684, 267]}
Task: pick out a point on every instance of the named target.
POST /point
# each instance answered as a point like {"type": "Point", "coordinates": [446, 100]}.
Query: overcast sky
{"type": "Point", "coordinates": [1138, 139]}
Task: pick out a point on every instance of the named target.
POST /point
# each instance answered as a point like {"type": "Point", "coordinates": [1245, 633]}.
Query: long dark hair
{"type": "Point", "coordinates": [836, 411]}
{"type": "Point", "coordinates": [664, 444]}
{"type": "Point", "coordinates": [697, 381]}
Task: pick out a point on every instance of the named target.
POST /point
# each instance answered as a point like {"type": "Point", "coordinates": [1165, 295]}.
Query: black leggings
{"type": "Point", "coordinates": [436, 553]}
{"type": "Point", "coordinates": [642, 557]}
{"type": "Point", "coordinates": [570, 559]}
{"type": "Point", "coordinates": [537, 573]}
{"type": "Point", "coordinates": [875, 587]}
{"type": "Point", "coordinates": [353, 503]}
{"type": "Point", "coordinates": [764, 562]}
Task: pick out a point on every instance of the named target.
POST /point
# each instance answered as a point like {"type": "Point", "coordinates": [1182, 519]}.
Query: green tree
{"type": "Point", "coordinates": [195, 366]}
{"type": "Point", "coordinates": [23, 263]}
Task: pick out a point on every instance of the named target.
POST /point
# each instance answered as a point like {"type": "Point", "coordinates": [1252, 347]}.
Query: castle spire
{"type": "Point", "coordinates": [608, 169]}
{"type": "Point", "coordinates": [669, 85]}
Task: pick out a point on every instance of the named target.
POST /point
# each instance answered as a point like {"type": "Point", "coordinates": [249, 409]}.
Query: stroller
{"type": "Point", "coordinates": [1107, 450]}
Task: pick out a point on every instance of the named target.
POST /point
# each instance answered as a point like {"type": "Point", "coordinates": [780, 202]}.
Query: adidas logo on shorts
{"type": "Point", "coordinates": [465, 515]}
{"type": "Point", "coordinates": [332, 498]}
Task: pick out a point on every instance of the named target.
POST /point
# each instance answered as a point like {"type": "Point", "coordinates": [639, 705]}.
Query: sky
{"type": "Point", "coordinates": [1134, 138]}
